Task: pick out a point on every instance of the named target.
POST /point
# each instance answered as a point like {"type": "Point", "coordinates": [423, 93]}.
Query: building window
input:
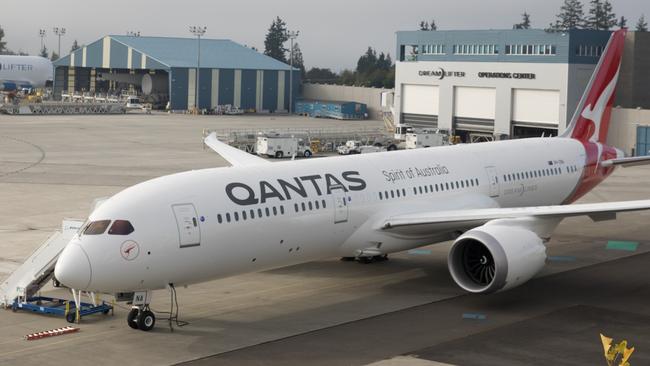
{"type": "Point", "coordinates": [475, 49]}
{"type": "Point", "coordinates": [433, 49]}
{"type": "Point", "coordinates": [530, 49]}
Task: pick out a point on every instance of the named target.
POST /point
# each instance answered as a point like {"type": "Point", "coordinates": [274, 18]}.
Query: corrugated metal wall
{"type": "Point", "coordinates": [246, 89]}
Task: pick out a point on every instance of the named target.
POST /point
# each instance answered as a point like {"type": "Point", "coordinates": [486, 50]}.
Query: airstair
{"type": "Point", "coordinates": [38, 269]}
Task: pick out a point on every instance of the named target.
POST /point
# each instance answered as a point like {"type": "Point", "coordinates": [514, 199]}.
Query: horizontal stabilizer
{"type": "Point", "coordinates": [231, 154]}
{"type": "Point", "coordinates": [625, 162]}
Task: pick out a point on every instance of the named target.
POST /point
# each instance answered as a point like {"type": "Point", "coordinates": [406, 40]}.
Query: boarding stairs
{"type": "Point", "coordinates": [38, 269]}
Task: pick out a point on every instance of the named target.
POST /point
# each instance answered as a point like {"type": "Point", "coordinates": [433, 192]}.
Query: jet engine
{"type": "Point", "coordinates": [493, 258]}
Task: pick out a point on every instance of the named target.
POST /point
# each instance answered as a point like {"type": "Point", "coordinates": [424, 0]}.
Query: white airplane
{"type": "Point", "coordinates": [499, 201]}
{"type": "Point", "coordinates": [24, 72]}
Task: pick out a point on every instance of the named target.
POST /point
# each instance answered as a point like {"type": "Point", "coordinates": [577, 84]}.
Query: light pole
{"type": "Point", "coordinates": [41, 33]}
{"type": "Point", "coordinates": [198, 31]}
{"type": "Point", "coordinates": [292, 35]}
{"type": "Point", "coordinates": [59, 32]}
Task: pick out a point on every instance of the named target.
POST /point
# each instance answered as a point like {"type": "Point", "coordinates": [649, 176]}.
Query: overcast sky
{"type": "Point", "coordinates": [333, 33]}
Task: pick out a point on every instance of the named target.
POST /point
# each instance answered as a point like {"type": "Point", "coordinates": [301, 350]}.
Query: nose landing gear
{"type": "Point", "coordinates": [141, 317]}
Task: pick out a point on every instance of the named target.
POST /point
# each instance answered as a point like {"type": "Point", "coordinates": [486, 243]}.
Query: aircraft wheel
{"type": "Point", "coordinates": [131, 318]}
{"type": "Point", "coordinates": [146, 320]}
{"type": "Point", "coordinates": [71, 317]}
{"type": "Point", "coordinates": [392, 147]}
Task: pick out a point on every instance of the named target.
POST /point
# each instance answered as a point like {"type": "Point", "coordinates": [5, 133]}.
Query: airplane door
{"type": "Point", "coordinates": [493, 181]}
{"type": "Point", "coordinates": [340, 205]}
{"type": "Point", "coordinates": [189, 232]}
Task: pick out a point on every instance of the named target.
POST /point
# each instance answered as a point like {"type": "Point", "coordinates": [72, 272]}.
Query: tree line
{"type": "Point", "coordinates": [373, 70]}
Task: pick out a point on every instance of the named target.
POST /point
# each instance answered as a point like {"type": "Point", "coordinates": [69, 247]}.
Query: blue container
{"type": "Point", "coordinates": [332, 109]}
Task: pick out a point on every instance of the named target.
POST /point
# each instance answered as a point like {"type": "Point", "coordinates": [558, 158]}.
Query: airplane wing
{"type": "Point", "coordinates": [436, 220]}
{"type": "Point", "coordinates": [625, 162]}
{"type": "Point", "coordinates": [231, 154]}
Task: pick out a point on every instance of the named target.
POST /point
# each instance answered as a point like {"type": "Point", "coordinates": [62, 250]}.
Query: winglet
{"type": "Point", "coordinates": [231, 154]}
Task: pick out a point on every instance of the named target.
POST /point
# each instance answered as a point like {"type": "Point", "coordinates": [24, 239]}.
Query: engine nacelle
{"type": "Point", "coordinates": [493, 258]}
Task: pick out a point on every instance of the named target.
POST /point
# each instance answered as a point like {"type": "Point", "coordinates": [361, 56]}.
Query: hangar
{"type": "Point", "coordinates": [164, 69]}
{"type": "Point", "coordinates": [493, 83]}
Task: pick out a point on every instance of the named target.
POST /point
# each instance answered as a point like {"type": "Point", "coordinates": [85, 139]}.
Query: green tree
{"type": "Point", "coordinates": [275, 39]}
{"type": "Point", "coordinates": [55, 56]}
{"type": "Point", "coordinates": [525, 22]}
{"type": "Point", "coordinates": [571, 16]}
{"type": "Point", "coordinates": [298, 60]}
{"type": "Point", "coordinates": [642, 25]}
{"type": "Point", "coordinates": [3, 45]}
{"type": "Point", "coordinates": [601, 16]}
{"type": "Point", "coordinates": [426, 26]}
{"type": "Point", "coordinates": [44, 52]}
{"type": "Point", "coordinates": [75, 46]}
{"type": "Point", "coordinates": [622, 22]}
{"type": "Point", "coordinates": [367, 62]}
{"type": "Point", "coordinates": [317, 75]}
{"type": "Point", "coordinates": [347, 78]}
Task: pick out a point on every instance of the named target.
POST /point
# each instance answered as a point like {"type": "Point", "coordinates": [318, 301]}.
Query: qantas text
{"type": "Point", "coordinates": [281, 189]}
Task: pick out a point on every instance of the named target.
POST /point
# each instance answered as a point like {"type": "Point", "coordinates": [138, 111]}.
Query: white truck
{"type": "Point", "coordinates": [355, 147]}
{"type": "Point", "coordinates": [426, 138]}
{"type": "Point", "coordinates": [279, 146]}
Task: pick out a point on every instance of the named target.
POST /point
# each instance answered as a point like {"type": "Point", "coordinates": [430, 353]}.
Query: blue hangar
{"type": "Point", "coordinates": [163, 69]}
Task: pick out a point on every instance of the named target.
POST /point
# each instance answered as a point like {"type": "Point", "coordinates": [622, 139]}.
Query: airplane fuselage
{"type": "Point", "coordinates": [24, 72]}
{"type": "Point", "coordinates": [226, 221]}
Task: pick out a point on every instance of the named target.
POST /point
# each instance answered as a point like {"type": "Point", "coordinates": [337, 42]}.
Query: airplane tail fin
{"type": "Point", "coordinates": [590, 121]}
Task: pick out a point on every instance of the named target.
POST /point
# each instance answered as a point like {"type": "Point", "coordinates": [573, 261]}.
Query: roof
{"type": "Point", "coordinates": [182, 52]}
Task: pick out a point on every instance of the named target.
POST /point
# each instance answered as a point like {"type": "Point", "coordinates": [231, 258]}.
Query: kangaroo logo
{"type": "Point", "coordinates": [595, 113]}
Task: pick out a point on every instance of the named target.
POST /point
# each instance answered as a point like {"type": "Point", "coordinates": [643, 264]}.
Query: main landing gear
{"type": "Point", "coordinates": [141, 317]}
{"type": "Point", "coordinates": [366, 259]}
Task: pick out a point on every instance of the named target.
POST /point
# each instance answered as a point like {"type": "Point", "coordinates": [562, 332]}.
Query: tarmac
{"type": "Point", "coordinates": [405, 311]}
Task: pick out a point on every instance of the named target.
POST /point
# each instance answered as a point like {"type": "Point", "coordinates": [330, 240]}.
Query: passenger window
{"type": "Point", "coordinates": [403, 192]}
{"type": "Point", "coordinates": [316, 204]}
{"type": "Point", "coordinates": [275, 211]}
{"type": "Point", "coordinates": [266, 209]}
{"type": "Point", "coordinates": [281, 210]}
{"type": "Point", "coordinates": [311, 207]}
{"type": "Point", "coordinates": [295, 206]}
{"type": "Point", "coordinates": [121, 227]}
{"type": "Point", "coordinates": [243, 215]}
{"type": "Point", "coordinates": [96, 227]}
{"type": "Point", "coordinates": [398, 193]}
{"type": "Point", "coordinates": [303, 206]}
{"type": "Point", "coordinates": [324, 205]}
{"type": "Point", "coordinates": [392, 194]}
{"type": "Point", "coordinates": [381, 196]}
{"type": "Point", "coordinates": [228, 216]}
{"type": "Point", "coordinates": [236, 216]}
{"type": "Point", "coordinates": [259, 213]}
{"type": "Point", "coordinates": [219, 218]}
{"type": "Point", "coordinates": [252, 214]}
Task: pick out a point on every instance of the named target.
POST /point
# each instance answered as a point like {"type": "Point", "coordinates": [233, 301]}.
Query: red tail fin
{"type": "Point", "coordinates": [590, 121]}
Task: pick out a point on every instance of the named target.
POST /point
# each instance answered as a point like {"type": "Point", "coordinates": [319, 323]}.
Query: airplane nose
{"type": "Point", "coordinates": [73, 267]}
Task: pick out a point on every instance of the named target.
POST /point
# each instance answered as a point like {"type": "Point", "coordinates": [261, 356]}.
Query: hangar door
{"type": "Point", "coordinates": [420, 105]}
{"type": "Point", "coordinates": [474, 109]}
{"type": "Point", "coordinates": [535, 112]}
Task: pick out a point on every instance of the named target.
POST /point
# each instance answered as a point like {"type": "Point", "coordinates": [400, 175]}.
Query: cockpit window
{"type": "Point", "coordinates": [96, 227]}
{"type": "Point", "coordinates": [121, 227]}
